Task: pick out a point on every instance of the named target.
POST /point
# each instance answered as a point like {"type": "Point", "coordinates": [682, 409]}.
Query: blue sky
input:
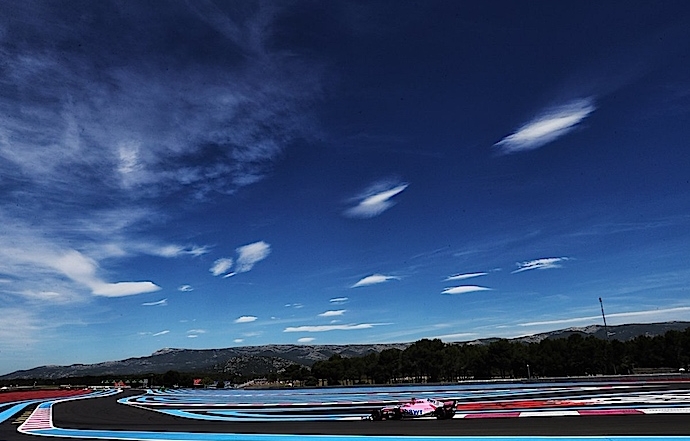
{"type": "Point", "coordinates": [214, 174]}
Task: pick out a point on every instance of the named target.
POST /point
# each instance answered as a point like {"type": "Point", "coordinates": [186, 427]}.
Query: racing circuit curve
{"type": "Point", "coordinates": [573, 410]}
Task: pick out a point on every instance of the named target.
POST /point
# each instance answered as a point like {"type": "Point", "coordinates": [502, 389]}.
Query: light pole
{"type": "Point", "coordinates": [528, 373]}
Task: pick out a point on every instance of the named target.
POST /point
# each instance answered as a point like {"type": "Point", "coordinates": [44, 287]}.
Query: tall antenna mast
{"type": "Point", "coordinates": [606, 329]}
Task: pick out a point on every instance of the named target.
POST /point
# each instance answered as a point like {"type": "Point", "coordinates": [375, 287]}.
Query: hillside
{"type": "Point", "coordinates": [621, 332]}
{"type": "Point", "coordinates": [271, 358]}
{"type": "Point", "coordinates": [194, 360]}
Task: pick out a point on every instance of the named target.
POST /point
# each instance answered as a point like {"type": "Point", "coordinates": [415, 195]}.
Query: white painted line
{"type": "Point", "coordinates": [656, 411]}
{"type": "Point", "coordinates": [549, 413]}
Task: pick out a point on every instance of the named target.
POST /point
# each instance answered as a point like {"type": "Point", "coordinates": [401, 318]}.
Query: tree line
{"type": "Point", "coordinates": [172, 378]}
{"type": "Point", "coordinates": [434, 361]}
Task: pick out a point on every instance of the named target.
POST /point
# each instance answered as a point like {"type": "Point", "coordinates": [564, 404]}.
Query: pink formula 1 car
{"type": "Point", "coordinates": [415, 408]}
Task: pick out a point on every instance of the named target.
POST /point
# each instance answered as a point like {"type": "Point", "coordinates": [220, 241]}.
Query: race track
{"type": "Point", "coordinates": [155, 417]}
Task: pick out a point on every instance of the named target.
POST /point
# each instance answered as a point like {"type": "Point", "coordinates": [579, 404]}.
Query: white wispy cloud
{"type": "Point", "coordinates": [173, 250]}
{"type": "Point", "coordinates": [661, 314]}
{"type": "Point", "coordinates": [305, 340]}
{"type": "Point", "coordinates": [543, 263]}
{"type": "Point", "coordinates": [51, 297]}
{"type": "Point", "coordinates": [193, 333]}
{"type": "Point", "coordinates": [221, 266]}
{"type": "Point", "coordinates": [326, 328]}
{"type": "Point", "coordinates": [464, 276]}
{"type": "Point", "coordinates": [185, 288]}
{"type": "Point", "coordinates": [19, 328]}
{"type": "Point", "coordinates": [294, 305]}
{"type": "Point", "coordinates": [464, 289]}
{"type": "Point", "coordinates": [455, 337]}
{"type": "Point", "coordinates": [249, 255]}
{"type": "Point", "coordinates": [414, 332]}
{"type": "Point", "coordinates": [333, 313]}
{"type": "Point", "coordinates": [547, 127]}
{"type": "Point", "coordinates": [88, 161]}
{"type": "Point", "coordinates": [82, 269]}
{"type": "Point", "coordinates": [128, 159]}
{"type": "Point", "coordinates": [246, 319]}
{"type": "Point", "coordinates": [161, 333]}
{"type": "Point", "coordinates": [53, 264]}
{"type": "Point", "coordinates": [122, 289]}
{"type": "Point", "coordinates": [373, 280]}
{"type": "Point", "coordinates": [238, 340]}
{"type": "Point", "coordinates": [375, 200]}
{"type": "Point", "coordinates": [162, 302]}
{"type": "Point", "coordinates": [339, 300]}
{"type": "Point", "coordinates": [98, 109]}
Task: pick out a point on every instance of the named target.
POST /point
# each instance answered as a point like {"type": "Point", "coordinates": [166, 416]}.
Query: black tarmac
{"type": "Point", "coordinates": [106, 414]}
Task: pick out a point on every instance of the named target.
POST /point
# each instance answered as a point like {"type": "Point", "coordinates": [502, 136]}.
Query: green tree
{"type": "Point", "coordinates": [388, 366]}
{"type": "Point", "coordinates": [171, 378]}
{"type": "Point", "coordinates": [331, 370]}
{"type": "Point", "coordinates": [423, 359]}
{"type": "Point", "coordinates": [500, 356]}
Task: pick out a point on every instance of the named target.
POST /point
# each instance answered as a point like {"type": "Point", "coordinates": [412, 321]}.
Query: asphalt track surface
{"type": "Point", "coordinates": [106, 414]}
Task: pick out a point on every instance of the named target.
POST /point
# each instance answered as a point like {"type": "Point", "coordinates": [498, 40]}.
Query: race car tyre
{"type": "Point", "coordinates": [451, 409]}
{"type": "Point", "coordinates": [376, 415]}
{"type": "Point", "coordinates": [397, 414]}
{"type": "Point", "coordinates": [441, 413]}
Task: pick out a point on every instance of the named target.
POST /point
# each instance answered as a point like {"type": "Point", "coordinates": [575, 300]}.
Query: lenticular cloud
{"type": "Point", "coordinates": [546, 128]}
{"type": "Point", "coordinates": [465, 289]}
{"type": "Point", "coordinates": [335, 313]}
{"type": "Point", "coordinates": [373, 280]}
{"type": "Point", "coordinates": [122, 289]}
{"type": "Point", "coordinates": [246, 319]}
{"type": "Point", "coordinates": [375, 200]}
{"type": "Point", "coordinates": [464, 276]}
{"type": "Point", "coordinates": [544, 263]}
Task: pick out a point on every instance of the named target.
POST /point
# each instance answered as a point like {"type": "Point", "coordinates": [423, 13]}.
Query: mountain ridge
{"type": "Point", "coordinates": [190, 360]}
